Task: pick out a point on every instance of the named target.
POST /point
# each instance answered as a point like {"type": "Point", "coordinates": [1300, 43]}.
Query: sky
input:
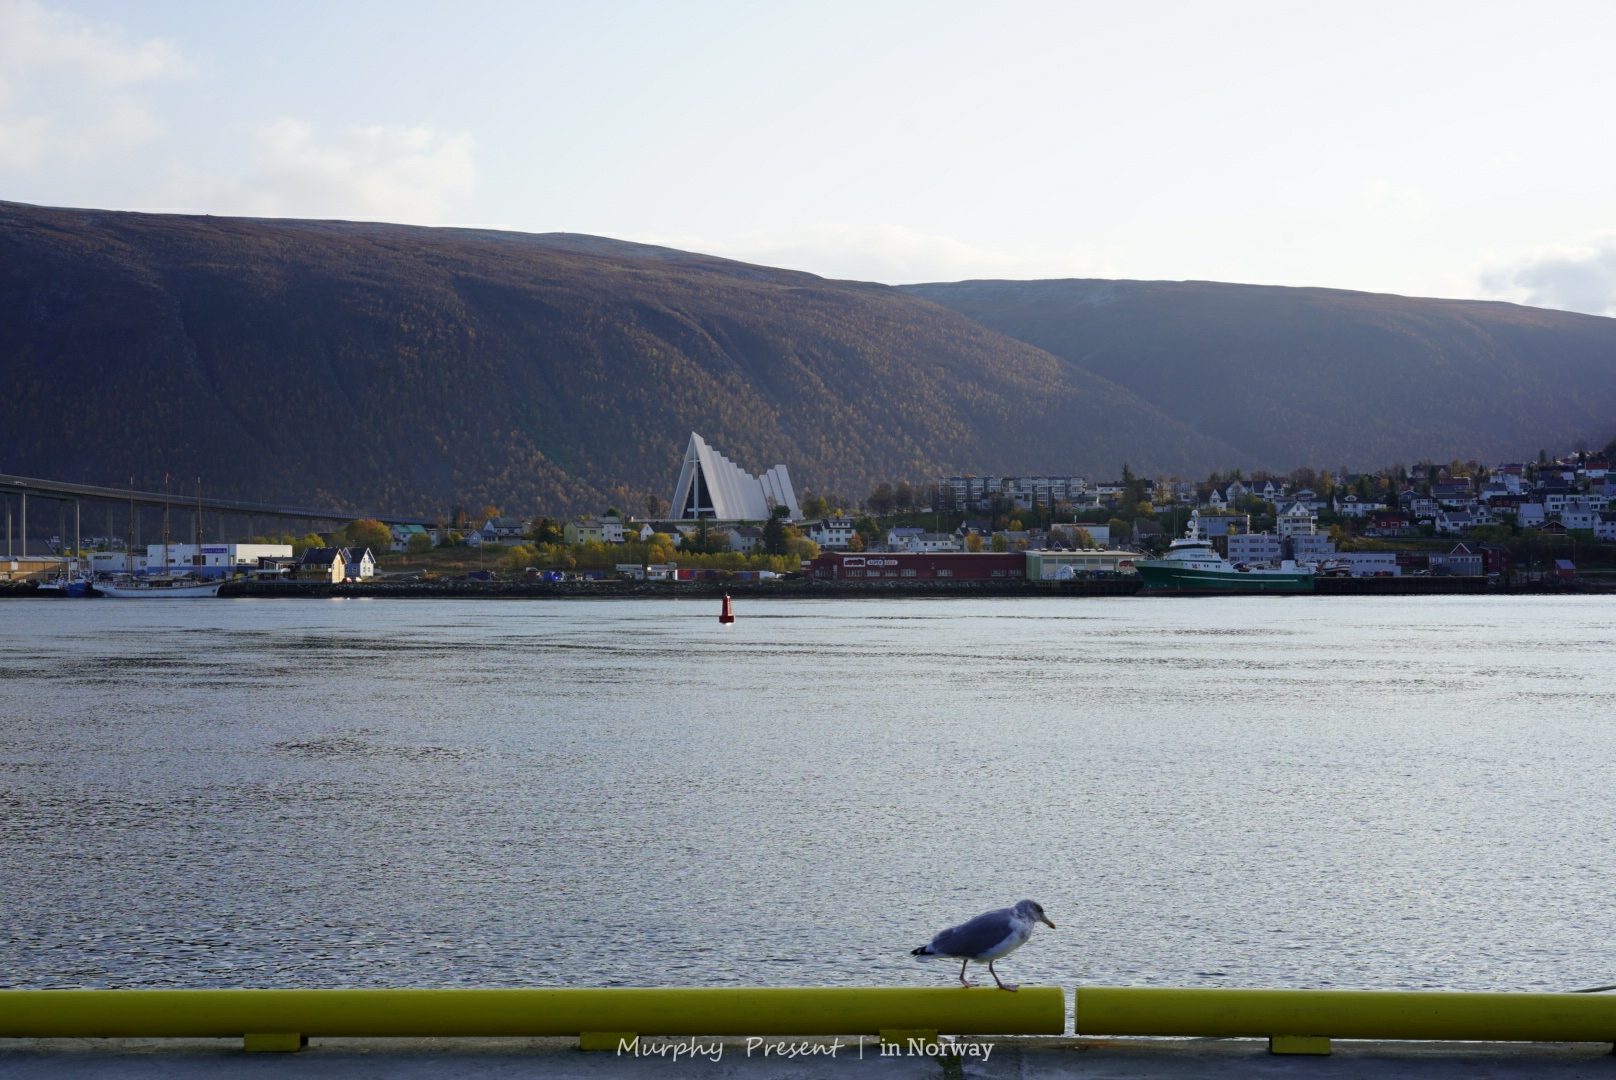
{"type": "Point", "coordinates": [1458, 150]}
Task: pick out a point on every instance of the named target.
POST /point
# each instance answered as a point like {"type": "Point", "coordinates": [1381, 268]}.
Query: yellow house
{"type": "Point", "coordinates": [607, 530]}
{"type": "Point", "coordinates": [323, 564]}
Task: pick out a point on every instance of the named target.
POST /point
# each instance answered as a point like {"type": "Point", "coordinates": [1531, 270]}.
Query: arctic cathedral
{"type": "Point", "coordinates": [712, 486]}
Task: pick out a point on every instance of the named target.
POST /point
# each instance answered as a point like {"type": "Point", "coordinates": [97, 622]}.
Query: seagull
{"type": "Point", "coordinates": [991, 936]}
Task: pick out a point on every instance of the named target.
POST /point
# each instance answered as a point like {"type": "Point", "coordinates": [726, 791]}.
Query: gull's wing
{"type": "Point", "coordinates": [975, 937]}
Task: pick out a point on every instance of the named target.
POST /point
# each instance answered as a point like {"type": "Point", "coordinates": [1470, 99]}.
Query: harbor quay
{"type": "Point", "coordinates": [1010, 1058]}
{"type": "Point", "coordinates": [1158, 1032]}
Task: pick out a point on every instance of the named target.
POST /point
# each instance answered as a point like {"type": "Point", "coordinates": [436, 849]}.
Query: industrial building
{"type": "Point", "coordinates": [841, 566]}
{"type": "Point", "coordinates": [1065, 565]}
{"type": "Point", "coordinates": [217, 559]}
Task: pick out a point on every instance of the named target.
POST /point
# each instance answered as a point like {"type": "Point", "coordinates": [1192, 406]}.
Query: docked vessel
{"type": "Point", "coordinates": [1193, 567]}
{"type": "Point", "coordinates": [166, 585]}
{"type": "Point", "coordinates": [159, 588]}
{"type": "Point", "coordinates": [69, 585]}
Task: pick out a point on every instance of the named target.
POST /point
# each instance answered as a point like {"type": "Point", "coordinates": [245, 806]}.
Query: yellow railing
{"type": "Point", "coordinates": [1301, 1021]}
{"type": "Point", "coordinates": [1346, 1014]}
{"type": "Point", "coordinates": [1034, 1010]}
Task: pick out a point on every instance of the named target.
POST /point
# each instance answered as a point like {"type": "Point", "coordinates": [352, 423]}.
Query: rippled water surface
{"type": "Point", "coordinates": [1251, 791]}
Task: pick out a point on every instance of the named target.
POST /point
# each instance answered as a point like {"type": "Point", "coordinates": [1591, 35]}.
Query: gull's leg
{"type": "Point", "coordinates": [1002, 986]}
{"type": "Point", "coordinates": [963, 980]}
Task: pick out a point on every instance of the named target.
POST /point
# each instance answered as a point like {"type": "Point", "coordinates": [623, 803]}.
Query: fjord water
{"type": "Point", "coordinates": [1306, 792]}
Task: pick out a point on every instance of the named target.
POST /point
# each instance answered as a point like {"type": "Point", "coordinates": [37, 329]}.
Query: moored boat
{"type": "Point", "coordinates": [1193, 567]}
{"type": "Point", "coordinates": [159, 588]}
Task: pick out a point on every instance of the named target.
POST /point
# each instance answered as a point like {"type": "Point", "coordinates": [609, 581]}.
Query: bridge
{"type": "Point", "coordinates": [18, 489]}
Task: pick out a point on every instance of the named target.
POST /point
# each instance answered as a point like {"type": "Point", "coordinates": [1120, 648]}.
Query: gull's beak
{"type": "Point", "coordinates": [1048, 923]}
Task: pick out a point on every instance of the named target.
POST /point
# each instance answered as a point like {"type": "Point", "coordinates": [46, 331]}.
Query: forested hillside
{"type": "Point", "coordinates": [409, 369]}
{"type": "Point", "coordinates": [1323, 377]}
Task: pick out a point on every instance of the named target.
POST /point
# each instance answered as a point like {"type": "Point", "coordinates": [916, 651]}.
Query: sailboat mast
{"type": "Point", "coordinates": [166, 491]}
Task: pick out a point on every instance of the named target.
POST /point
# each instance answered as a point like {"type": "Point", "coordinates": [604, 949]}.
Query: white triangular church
{"type": "Point", "coordinates": [712, 486]}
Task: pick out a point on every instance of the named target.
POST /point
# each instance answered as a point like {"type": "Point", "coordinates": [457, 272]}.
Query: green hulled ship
{"type": "Point", "coordinates": [1191, 566]}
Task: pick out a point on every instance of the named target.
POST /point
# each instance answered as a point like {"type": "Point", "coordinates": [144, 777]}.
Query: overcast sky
{"type": "Point", "coordinates": [1437, 149]}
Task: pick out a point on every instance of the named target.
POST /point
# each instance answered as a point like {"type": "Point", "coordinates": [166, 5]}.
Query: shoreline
{"type": "Point", "coordinates": [807, 589]}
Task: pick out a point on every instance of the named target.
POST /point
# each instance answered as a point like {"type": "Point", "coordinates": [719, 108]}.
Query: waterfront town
{"type": "Point", "coordinates": [1533, 521]}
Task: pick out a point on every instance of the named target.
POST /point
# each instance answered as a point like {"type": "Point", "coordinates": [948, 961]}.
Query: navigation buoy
{"type": "Point", "coordinates": [726, 616]}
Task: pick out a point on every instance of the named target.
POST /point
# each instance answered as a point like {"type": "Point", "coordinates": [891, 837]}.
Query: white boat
{"type": "Point", "coordinates": [159, 588]}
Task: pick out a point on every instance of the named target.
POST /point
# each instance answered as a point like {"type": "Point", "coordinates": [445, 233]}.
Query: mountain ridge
{"type": "Point", "coordinates": [412, 369]}
{"type": "Point", "coordinates": [1311, 375]}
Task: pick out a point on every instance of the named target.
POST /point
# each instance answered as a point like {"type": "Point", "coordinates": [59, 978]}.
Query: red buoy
{"type": "Point", "coordinates": [726, 616]}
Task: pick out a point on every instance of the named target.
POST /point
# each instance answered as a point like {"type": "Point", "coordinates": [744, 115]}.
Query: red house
{"type": "Point", "coordinates": [1388, 525]}
{"type": "Point", "coordinates": [1495, 559]}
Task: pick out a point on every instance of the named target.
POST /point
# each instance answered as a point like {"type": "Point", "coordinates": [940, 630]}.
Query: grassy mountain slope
{"type": "Point", "coordinates": [412, 369]}
{"type": "Point", "coordinates": [1322, 376]}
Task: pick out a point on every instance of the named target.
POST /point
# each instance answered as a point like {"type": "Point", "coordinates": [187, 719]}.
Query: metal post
{"type": "Point", "coordinates": [78, 533]}
{"type": "Point", "coordinates": [25, 524]}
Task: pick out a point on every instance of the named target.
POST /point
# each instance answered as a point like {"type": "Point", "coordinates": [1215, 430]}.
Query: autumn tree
{"type": "Point", "coordinates": [367, 533]}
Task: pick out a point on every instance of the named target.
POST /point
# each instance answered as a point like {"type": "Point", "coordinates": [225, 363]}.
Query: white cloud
{"type": "Point", "coordinates": [393, 173]}
{"type": "Point", "coordinates": [890, 253]}
{"type": "Point", "coordinates": [67, 86]}
{"type": "Point", "coordinates": [1571, 279]}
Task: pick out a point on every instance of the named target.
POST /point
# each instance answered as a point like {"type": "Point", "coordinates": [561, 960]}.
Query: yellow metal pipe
{"type": "Point", "coordinates": [1346, 1014]}
{"type": "Point", "coordinates": [1034, 1010]}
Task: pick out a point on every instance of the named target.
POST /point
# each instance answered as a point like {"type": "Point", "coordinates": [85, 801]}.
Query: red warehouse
{"type": "Point", "coordinates": [841, 566]}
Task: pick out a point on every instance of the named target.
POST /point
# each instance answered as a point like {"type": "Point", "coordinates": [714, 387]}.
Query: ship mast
{"type": "Point", "coordinates": [165, 523]}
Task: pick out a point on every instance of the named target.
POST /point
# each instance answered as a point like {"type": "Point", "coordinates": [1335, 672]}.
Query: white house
{"type": "Point", "coordinates": [1354, 507]}
{"type": "Point", "coordinates": [503, 530]}
{"type": "Point", "coordinates": [1454, 522]}
{"type": "Point", "coordinates": [928, 542]}
{"type": "Point", "coordinates": [1578, 515]}
{"type": "Point", "coordinates": [745, 539]}
{"type": "Point", "coordinates": [1299, 520]}
{"type": "Point", "coordinates": [899, 535]}
{"type": "Point", "coordinates": [1605, 527]}
{"type": "Point", "coordinates": [1530, 515]}
{"type": "Point", "coordinates": [832, 534]}
{"type": "Point", "coordinates": [358, 564]}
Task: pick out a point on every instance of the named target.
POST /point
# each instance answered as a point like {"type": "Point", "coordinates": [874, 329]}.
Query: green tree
{"type": "Point", "coordinates": [868, 528]}
{"type": "Point", "coordinates": [420, 543]}
{"type": "Point", "coordinates": [775, 540]}
{"type": "Point", "coordinates": [1001, 542]}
